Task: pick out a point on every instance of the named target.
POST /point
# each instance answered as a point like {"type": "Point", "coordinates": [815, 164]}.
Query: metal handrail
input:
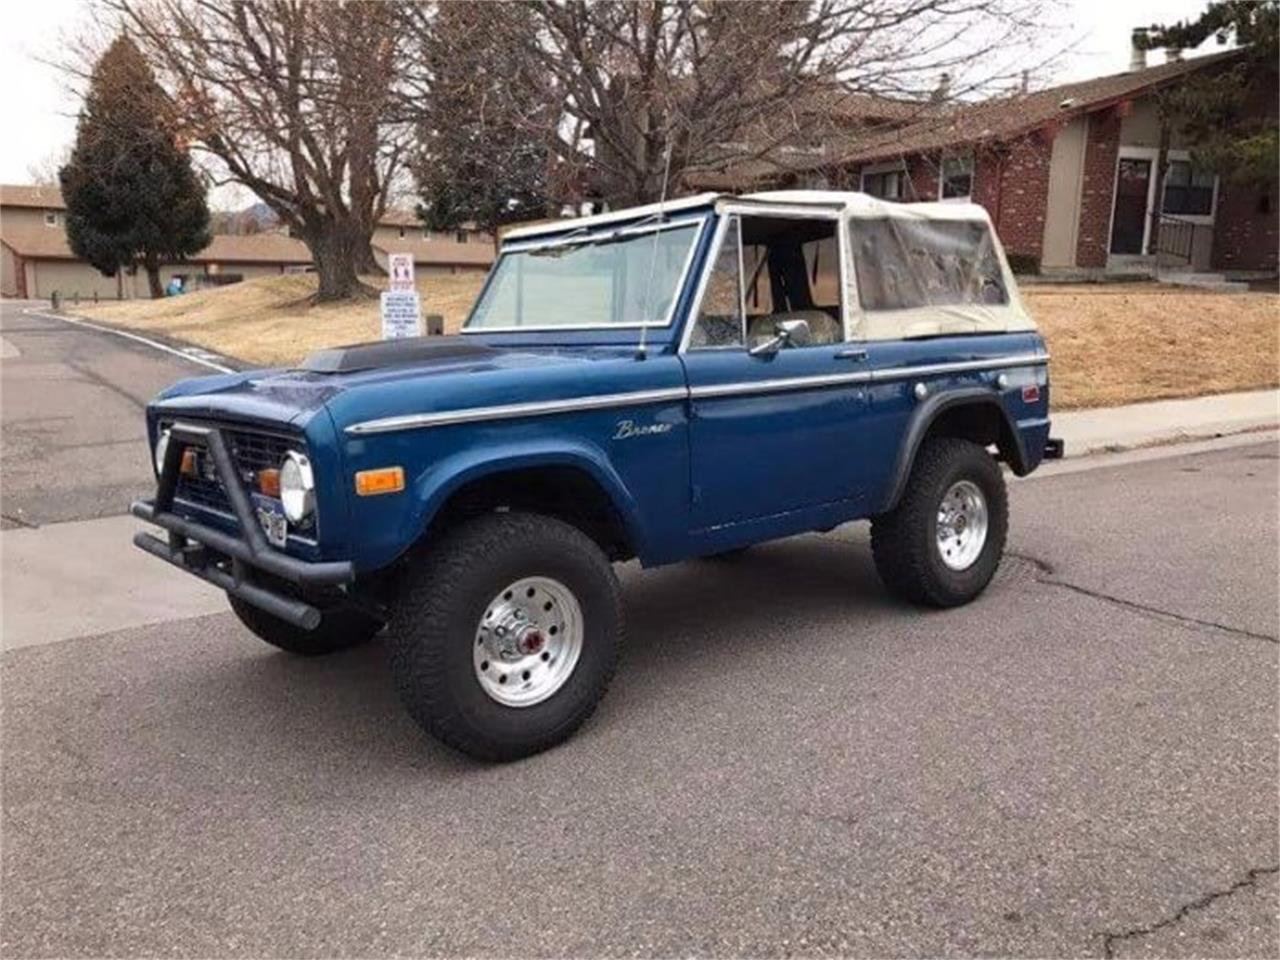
{"type": "Point", "coordinates": [1175, 236]}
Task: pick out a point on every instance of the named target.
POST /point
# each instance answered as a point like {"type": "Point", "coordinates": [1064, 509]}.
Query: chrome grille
{"type": "Point", "coordinates": [251, 451]}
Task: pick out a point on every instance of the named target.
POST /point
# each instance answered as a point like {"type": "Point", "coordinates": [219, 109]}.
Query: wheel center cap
{"type": "Point", "coordinates": [530, 641]}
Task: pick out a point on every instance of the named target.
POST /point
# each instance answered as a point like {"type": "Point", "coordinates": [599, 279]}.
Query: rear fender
{"type": "Point", "coordinates": [926, 415]}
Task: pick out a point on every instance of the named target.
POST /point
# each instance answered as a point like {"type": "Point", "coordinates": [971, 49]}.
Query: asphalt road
{"type": "Point", "coordinates": [1081, 763]}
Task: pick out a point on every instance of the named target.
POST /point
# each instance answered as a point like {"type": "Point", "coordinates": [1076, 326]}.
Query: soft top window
{"type": "Point", "coordinates": [905, 263]}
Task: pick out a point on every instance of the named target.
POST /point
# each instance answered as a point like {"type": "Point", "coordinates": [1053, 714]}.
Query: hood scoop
{"type": "Point", "coordinates": [394, 353]}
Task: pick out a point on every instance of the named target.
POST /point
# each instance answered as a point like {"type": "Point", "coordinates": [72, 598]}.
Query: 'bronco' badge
{"type": "Point", "coordinates": [629, 428]}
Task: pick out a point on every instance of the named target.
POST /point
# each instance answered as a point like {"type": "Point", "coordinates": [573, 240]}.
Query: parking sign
{"type": "Point", "coordinates": [400, 267]}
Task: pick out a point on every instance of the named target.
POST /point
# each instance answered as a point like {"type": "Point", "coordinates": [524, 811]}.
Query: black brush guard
{"type": "Point", "coordinates": [226, 561]}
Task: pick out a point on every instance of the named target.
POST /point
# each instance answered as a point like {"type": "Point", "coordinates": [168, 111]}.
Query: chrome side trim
{"type": "Point", "coordinates": [866, 376]}
{"type": "Point", "coordinates": [510, 411]}
{"type": "Point", "coordinates": [779, 385]}
{"type": "Point", "coordinates": [537, 408]}
{"type": "Point", "coordinates": [961, 366]}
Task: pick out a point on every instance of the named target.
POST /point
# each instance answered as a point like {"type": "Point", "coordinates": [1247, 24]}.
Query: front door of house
{"type": "Point", "coordinates": [1129, 222]}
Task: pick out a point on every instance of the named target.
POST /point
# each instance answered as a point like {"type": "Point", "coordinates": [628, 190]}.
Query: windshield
{"type": "Point", "coordinates": [622, 278]}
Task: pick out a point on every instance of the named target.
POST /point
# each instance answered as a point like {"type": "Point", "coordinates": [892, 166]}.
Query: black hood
{"type": "Point", "coordinates": [394, 353]}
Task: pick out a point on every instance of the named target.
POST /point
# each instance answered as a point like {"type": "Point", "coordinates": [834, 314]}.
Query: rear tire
{"type": "Point", "coordinates": [338, 629]}
{"type": "Point", "coordinates": [458, 633]}
{"type": "Point", "coordinates": [941, 544]}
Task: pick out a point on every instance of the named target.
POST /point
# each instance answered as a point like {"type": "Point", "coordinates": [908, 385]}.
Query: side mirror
{"type": "Point", "coordinates": [786, 333]}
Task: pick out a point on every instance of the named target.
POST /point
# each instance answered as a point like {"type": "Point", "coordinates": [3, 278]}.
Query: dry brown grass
{"type": "Point", "coordinates": [271, 320]}
{"type": "Point", "coordinates": [1132, 342]}
{"type": "Point", "coordinates": [1111, 344]}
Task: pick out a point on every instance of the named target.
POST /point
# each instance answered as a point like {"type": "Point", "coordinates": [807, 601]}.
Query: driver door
{"type": "Point", "coordinates": [774, 427]}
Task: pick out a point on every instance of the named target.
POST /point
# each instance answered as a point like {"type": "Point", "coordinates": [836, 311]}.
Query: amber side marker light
{"type": "Point", "coordinates": [370, 483]}
{"type": "Point", "coordinates": [269, 482]}
{"type": "Point", "coordinates": [188, 467]}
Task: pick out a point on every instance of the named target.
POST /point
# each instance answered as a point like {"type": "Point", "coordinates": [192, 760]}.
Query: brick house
{"type": "Point", "coordinates": [1068, 174]}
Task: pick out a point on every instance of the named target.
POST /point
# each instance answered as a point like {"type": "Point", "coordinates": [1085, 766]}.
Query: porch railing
{"type": "Point", "coordinates": [1175, 237]}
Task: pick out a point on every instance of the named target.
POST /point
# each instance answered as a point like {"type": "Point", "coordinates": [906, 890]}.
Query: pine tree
{"type": "Point", "coordinates": [476, 163]}
{"type": "Point", "coordinates": [1212, 108]}
{"type": "Point", "coordinates": [132, 195]}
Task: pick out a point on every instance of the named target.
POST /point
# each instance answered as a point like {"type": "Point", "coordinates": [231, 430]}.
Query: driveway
{"type": "Point", "coordinates": [1083, 762]}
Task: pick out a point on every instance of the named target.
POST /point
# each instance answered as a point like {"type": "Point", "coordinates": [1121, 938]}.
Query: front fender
{"type": "Point", "coordinates": [429, 489]}
{"type": "Point", "coordinates": [924, 416]}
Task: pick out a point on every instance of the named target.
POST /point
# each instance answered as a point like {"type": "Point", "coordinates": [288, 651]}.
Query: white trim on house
{"type": "Point", "coordinates": [973, 173]}
{"type": "Point", "coordinates": [1133, 153]}
{"type": "Point", "coordinates": [1204, 219]}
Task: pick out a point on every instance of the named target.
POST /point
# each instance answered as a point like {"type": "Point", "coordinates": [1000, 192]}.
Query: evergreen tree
{"type": "Point", "coordinates": [1212, 108]}
{"type": "Point", "coordinates": [476, 161]}
{"type": "Point", "coordinates": [132, 195]}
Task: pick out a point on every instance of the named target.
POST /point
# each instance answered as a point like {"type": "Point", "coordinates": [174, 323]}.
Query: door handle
{"type": "Point", "coordinates": [851, 353]}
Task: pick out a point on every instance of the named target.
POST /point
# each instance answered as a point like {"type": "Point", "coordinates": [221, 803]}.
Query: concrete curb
{"type": "Point", "coordinates": [1138, 425]}
{"type": "Point", "coordinates": [166, 344]}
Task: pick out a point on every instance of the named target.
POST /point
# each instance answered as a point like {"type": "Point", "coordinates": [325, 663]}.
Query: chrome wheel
{"type": "Point", "coordinates": [962, 525]}
{"type": "Point", "coordinates": [528, 641]}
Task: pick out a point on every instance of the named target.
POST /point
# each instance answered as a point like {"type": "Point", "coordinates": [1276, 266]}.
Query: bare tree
{"type": "Point", "coordinates": [297, 101]}
{"type": "Point", "coordinates": [632, 88]}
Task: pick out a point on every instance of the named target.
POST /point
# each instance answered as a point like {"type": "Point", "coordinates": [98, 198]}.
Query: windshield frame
{"type": "Point", "coordinates": [699, 223]}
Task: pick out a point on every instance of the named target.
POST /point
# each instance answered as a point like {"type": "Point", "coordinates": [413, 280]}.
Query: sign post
{"type": "Point", "coordinates": [401, 311]}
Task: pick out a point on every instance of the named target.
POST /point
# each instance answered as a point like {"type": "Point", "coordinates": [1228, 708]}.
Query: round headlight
{"type": "Point", "coordinates": [162, 447]}
{"type": "Point", "coordinates": [297, 487]}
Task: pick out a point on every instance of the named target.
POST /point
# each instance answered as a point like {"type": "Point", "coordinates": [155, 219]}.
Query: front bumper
{"type": "Point", "coordinates": [236, 564]}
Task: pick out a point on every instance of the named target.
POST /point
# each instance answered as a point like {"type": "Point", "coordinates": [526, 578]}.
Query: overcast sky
{"type": "Point", "coordinates": [38, 113]}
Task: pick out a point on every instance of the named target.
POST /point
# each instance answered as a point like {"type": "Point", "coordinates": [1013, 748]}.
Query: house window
{"type": "Point", "coordinates": [50, 218]}
{"type": "Point", "coordinates": [957, 177]}
{"type": "Point", "coordinates": [886, 184]}
{"type": "Point", "coordinates": [1188, 191]}
{"type": "Point", "coordinates": [461, 236]}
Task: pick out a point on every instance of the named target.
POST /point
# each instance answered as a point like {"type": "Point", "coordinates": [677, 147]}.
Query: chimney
{"type": "Point", "coordinates": [1138, 50]}
{"type": "Point", "coordinates": [1173, 55]}
{"type": "Point", "coordinates": [943, 90]}
{"type": "Point", "coordinates": [1024, 84]}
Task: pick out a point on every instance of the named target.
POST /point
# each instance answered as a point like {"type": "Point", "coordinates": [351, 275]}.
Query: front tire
{"type": "Point", "coordinates": [505, 638]}
{"type": "Point", "coordinates": [338, 629]}
{"type": "Point", "coordinates": [941, 544]}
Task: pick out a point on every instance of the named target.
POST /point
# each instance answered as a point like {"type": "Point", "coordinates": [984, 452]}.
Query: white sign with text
{"type": "Point", "coordinates": [400, 270]}
{"type": "Point", "coordinates": [401, 314]}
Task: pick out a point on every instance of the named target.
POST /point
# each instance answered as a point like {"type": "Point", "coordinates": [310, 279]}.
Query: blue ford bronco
{"type": "Point", "coordinates": [661, 383]}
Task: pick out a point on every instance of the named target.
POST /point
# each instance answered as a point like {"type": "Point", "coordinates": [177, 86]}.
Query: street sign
{"type": "Point", "coordinates": [401, 314]}
{"type": "Point", "coordinates": [400, 269]}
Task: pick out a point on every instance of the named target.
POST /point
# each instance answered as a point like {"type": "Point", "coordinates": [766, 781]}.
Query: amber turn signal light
{"type": "Point", "coordinates": [370, 483]}
{"type": "Point", "coordinates": [269, 482]}
{"type": "Point", "coordinates": [188, 467]}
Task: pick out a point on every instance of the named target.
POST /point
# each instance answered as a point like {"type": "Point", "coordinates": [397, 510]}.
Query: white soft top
{"type": "Point", "coordinates": [854, 205]}
{"type": "Point", "coordinates": [911, 280]}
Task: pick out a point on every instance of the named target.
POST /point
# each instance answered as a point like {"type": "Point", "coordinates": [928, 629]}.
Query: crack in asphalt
{"type": "Point", "coordinates": [1046, 576]}
{"type": "Point", "coordinates": [102, 381]}
{"type": "Point", "coordinates": [1250, 879]}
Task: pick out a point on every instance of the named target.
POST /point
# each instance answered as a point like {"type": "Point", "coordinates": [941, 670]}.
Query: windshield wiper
{"type": "Point", "coordinates": [558, 248]}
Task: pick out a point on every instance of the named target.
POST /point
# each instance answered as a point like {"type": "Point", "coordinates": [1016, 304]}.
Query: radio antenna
{"type": "Point", "coordinates": [641, 354]}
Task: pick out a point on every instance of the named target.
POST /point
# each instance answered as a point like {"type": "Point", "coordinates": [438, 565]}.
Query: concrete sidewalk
{"type": "Point", "coordinates": [1165, 421]}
